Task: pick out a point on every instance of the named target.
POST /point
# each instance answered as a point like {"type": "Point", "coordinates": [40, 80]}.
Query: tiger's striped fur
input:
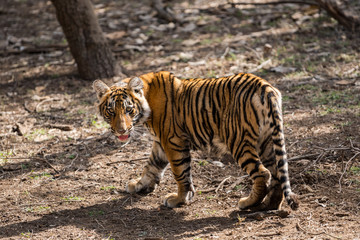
{"type": "Point", "coordinates": [240, 114]}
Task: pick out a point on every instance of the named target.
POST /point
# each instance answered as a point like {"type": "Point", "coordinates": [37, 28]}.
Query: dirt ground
{"type": "Point", "coordinates": [63, 174]}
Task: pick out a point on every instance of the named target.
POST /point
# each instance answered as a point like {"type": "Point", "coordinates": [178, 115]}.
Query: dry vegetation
{"type": "Point", "coordinates": [63, 175]}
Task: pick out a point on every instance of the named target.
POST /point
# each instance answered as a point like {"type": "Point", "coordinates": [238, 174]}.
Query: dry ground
{"type": "Point", "coordinates": [63, 175]}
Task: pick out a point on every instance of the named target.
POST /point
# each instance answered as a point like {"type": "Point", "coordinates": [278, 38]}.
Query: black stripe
{"type": "Point", "coordinates": [183, 175]}
{"type": "Point", "coordinates": [283, 179]}
{"type": "Point", "coordinates": [181, 161]}
{"type": "Point", "coordinates": [248, 161]}
{"type": "Point", "coordinates": [248, 151]}
{"type": "Point", "coordinates": [255, 113]}
{"type": "Point", "coordinates": [237, 152]}
{"type": "Point", "coordinates": [262, 95]}
{"type": "Point", "coordinates": [276, 130]}
{"type": "Point", "coordinates": [158, 163]}
{"type": "Point", "coordinates": [264, 145]}
{"type": "Point", "coordinates": [253, 178]}
{"type": "Point", "coordinates": [281, 163]}
{"type": "Point", "coordinates": [256, 169]}
{"type": "Point", "coordinates": [279, 152]}
{"type": "Point", "coordinates": [278, 142]}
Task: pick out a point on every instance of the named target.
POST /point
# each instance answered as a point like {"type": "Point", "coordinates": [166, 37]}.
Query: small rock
{"type": "Point", "coordinates": [218, 164]}
{"type": "Point", "coordinates": [303, 162]}
{"type": "Point", "coordinates": [344, 82]}
{"type": "Point", "coordinates": [198, 63]}
{"type": "Point", "coordinates": [267, 49]}
{"type": "Point", "coordinates": [282, 69]}
{"type": "Point", "coordinates": [116, 35]}
{"type": "Point", "coordinates": [190, 42]}
{"type": "Point", "coordinates": [41, 138]}
{"type": "Point", "coordinates": [171, 25]}
{"type": "Point", "coordinates": [307, 188]}
{"type": "Point", "coordinates": [11, 167]}
{"type": "Point", "coordinates": [341, 214]}
{"type": "Point", "coordinates": [189, 27]}
{"type": "Point", "coordinates": [55, 54]}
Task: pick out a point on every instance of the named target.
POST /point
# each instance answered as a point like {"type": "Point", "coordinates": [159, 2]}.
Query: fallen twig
{"type": "Point", "coordinates": [276, 2]}
{"type": "Point", "coordinates": [35, 158]}
{"type": "Point", "coordinates": [268, 234]}
{"type": "Point", "coordinates": [306, 195]}
{"type": "Point", "coordinates": [49, 164]}
{"type": "Point", "coordinates": [263, 214]}
{"type": "Point", "coordinates": [320, 156]}
{"type": "Point", "coordinates": [206, 190]}
{"type": "Point", "coordinates": [128, 160]}
{"type": "Point", "coordinates": [303, 156]}
{"type": "Point", "coordinates": [164, 12]}
{"type": "Point", "coordinates": [311, 233]}
{"type": "Point", "coordinates": [216, 189]}
{"type": "Point", "coordinates": [222, 184]}
{"type": "Point", "coordinates": [61, 127]}
{"type": "Point", "coordinates": [352, 148]}
{"type": "Point", "coordinates": [34, 50]}
{"type": "Point", "coordinates": [99, 224]}
{"type": "Point", "coordinates": [44, 101]}
{"type": "Point", "coordinates": [345, 168]}
{"type": "Point", "coordinates": [26, 107]}
{"type": "Point", "coordinates": [237, 182]}
{"type": "Point", "coordinates": [267, 62]}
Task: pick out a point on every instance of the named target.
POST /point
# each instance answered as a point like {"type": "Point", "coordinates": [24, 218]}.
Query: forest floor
{"type": "Point", "coordinates": [63, 175]}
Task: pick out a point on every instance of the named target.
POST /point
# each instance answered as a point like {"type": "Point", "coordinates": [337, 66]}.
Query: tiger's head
{"type": "Point", "coordinates": [122, 105]}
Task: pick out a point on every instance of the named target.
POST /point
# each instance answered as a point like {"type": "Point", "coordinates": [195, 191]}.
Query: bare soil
{"type": "Point", "coordinates": [63, 174]}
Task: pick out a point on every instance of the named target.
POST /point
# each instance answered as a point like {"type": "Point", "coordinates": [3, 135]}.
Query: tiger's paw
{"type": "Point", "coordinates": [133, 186]}
{"type": "Point", "coordinates": [172, 200]}
{"type": "Point", "coordinates": [250, 202]}
{"type": "Point", "coordinates": [245, 203]}
{"type": "Point", "coordinates": [137, 186]}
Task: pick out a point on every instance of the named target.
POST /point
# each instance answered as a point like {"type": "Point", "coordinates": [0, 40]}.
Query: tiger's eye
{"type": "Point", "coordinates": [129, 109]}
{"type": "Point", "coordinates": [111, 111]}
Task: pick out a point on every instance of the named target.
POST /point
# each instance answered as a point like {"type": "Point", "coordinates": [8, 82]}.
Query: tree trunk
{"type": "Point", "coordinates": [346, 12]}
{"type": "Point", "coordinates": [87, 43]}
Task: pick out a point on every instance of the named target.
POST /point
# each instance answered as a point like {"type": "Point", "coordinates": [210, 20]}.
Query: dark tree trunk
{"type": "Point", "coordinates": [87, 43]}
{"type": "Point", "coordinates": [346, 12]}
{"type": "Point", "coordinates": [164, 12]}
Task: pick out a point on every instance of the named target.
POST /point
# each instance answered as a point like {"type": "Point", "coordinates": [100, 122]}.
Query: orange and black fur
{"type": "Point", "coordinates": [240, 114]}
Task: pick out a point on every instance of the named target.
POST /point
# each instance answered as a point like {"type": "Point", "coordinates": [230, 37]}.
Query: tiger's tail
{"type": "Point", "coordinates": [280, 151]}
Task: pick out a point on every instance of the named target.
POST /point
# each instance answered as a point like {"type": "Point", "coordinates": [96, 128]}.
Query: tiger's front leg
{"type": "Point", "coordinates": [180, 166]}
{"type": "Point", "coordinates": [152, 174]}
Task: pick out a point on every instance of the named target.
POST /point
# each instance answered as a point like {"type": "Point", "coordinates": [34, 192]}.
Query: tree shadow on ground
{"type": "Point", "coordinates": [52, 163]}
{"type": "Point", "coordinates": [116, 218]}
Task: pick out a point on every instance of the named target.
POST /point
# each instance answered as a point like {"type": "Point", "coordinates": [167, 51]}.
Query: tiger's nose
{"type": "Point", "coordinates": [121, 131]}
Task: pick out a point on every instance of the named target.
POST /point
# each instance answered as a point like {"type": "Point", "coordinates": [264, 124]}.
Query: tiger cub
{"type": "Point", "coordinates": [240, 114]}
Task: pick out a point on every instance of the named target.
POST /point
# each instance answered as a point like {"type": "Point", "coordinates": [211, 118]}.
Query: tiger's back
{"type": "Point", "coordinates": [240, 114]}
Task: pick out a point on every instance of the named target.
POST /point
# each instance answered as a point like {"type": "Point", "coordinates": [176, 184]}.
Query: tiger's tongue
{"type": "Point", "coordinates": [123, 137]}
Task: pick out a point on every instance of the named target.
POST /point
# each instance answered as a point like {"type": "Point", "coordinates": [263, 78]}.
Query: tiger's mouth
{"type": "Point", "coordinates": [124, 138]}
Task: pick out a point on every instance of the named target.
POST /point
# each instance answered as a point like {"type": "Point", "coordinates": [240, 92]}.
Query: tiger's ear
{"type": "Point", "coordinates": [136, 84]}
{"type": "Point", "coordinates": [100, 88]}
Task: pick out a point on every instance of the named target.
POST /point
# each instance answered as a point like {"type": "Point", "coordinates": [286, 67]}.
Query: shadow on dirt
{"type": "Point", "coordinates": [104, 218]}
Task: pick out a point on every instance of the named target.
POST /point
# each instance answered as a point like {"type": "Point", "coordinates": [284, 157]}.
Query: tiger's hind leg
{"type": "Point", "coordinates": [275, 196]}
{"type": "Point", "coordinates": [250, 163]}
{"type": "Point", "coordinates": [152, 174]}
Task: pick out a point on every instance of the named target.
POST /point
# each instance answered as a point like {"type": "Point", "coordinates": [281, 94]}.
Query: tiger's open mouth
{"type": "Point", "coordinates": [124, 138]}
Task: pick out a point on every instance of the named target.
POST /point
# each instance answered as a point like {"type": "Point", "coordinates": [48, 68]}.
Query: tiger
{"type": "Point", "coordinates": [240, 115]}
